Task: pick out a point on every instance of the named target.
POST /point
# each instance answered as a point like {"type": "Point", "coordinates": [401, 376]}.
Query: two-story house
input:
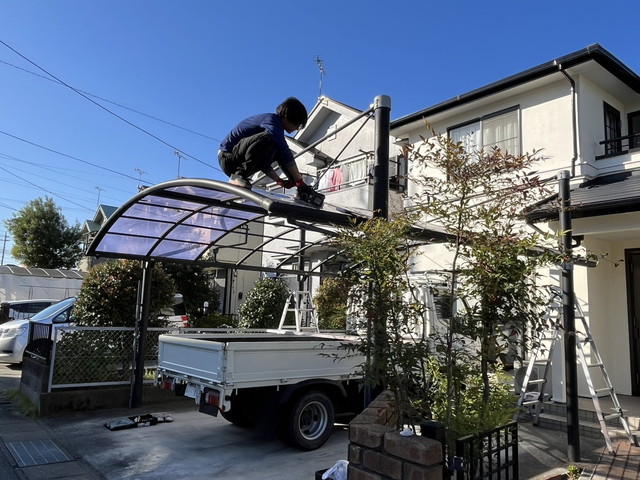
{"type": "Point", "coordinates": [582, 111]}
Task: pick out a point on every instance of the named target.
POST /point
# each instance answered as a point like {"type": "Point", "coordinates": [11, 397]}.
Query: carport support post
{"type": "Point", "coordinates": [569, 318]}
{"type": "Point", "coordinates": [382, 111]}
{"type": "Point", "coordinates": [140, 334]}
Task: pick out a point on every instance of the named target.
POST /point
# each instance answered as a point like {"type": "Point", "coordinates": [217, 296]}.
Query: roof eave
{"type": "Point", "coordinates": [593, 52]}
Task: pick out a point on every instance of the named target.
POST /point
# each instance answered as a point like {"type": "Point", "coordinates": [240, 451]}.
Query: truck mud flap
{"type": "Point", "coordinates": [209, 401]}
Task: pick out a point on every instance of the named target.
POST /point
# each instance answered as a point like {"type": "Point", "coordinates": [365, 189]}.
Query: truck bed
{"type": "Point", "coordinates": [256, 360]}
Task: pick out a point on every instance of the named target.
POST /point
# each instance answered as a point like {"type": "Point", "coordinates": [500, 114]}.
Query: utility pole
{"type": "Point", "coordinates": [320, 64]}
{"type": "Point", "coordinates": [99, 190]}
{"type": "Point", "coordinates": [4, 246]}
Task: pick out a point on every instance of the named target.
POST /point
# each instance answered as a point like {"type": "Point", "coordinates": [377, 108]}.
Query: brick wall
{"type": "Point", "coordinates": [377, 451]}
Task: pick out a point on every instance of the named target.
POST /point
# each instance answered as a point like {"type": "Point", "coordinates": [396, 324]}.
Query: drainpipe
{"type": "Point", "coordinates": [574, 120]}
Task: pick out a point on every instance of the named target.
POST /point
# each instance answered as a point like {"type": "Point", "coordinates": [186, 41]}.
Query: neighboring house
{"type": "Point", "coordinates": [583, 111]}
{"type": "Point", "coordinates": [89, 230]}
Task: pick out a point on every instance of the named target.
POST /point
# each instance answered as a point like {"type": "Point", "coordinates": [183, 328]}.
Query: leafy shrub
{"type": "Point", "coordinates": [214, 320]}
{"type": "Point", "coordinates": [109, 294]}
{"type": "Point", "coordinates": [331, 303]}
{"type": "Point", "coordinates": [264, 304]}
{"type": "Point", "coordinates": [469, 412]}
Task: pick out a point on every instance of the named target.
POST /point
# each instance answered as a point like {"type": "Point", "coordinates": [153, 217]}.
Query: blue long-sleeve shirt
{"type": "Point", "coordinates": [269, 122]}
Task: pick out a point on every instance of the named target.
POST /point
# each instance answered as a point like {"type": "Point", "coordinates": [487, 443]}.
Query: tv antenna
{"type": "Point", "coordinates": [99, 190]}
{"type": "Point", "coordinates": [178, 154]}
{"type": "Point", "coordinates": [140, 173]}
{"type": "Point", "coordinates": [320, 64]}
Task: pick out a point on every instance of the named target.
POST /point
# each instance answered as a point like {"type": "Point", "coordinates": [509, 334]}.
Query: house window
{"type": "Point", "coordinates": [498, 130]}
{"type": "Point", "coordinates": [612, 130]}
{"type": "Point", "coordinates": [634, 129]}
{"type": "Point", "coordinates": [398, 173]}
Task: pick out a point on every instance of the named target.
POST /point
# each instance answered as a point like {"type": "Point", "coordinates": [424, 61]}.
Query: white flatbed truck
{"type": "Point", "coordinates": [300, 381]}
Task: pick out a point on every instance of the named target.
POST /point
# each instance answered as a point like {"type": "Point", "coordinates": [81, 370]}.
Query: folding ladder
{"type": "Point", "coordinates": [543, 359]}
{"type": "Point", "coordinates": [303, 311]}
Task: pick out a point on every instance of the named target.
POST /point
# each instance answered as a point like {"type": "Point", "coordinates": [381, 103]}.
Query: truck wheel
{"type": "Point", "coordinates": [308, 421]}
{"type": "Point", "coordinates": [240, 414]}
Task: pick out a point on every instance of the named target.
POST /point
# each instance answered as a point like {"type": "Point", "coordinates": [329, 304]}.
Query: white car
{"type": "Point", "coordinates": [14, 334]}
{"type": "Point", "coordinates": [21, 309]}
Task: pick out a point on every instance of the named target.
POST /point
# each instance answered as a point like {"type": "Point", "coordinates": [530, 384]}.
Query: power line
{"type": "Point", "coordinates": [86, 97]}
{"type": "Point", "coordinates": [44, 189]}
{"type": "Point", "coordinates": [113, 103]}
{"type": "Point", "coordinates": [58, 170]}
{"type": "Point", "coordinates": [66, 155]}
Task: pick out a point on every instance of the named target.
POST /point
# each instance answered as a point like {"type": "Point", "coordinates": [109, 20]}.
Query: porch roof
{"type": "Point", "coordinates": [603, 195]}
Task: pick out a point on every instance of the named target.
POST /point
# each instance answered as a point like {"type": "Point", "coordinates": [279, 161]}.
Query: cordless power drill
{"type": "Point", "coordinates": [307, 194]}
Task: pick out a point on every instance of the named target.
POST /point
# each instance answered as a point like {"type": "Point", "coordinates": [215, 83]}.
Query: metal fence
{"type": "Point", "coordinates": [489, 455]}
{"type": "Point", "coordinates": [97, 356]}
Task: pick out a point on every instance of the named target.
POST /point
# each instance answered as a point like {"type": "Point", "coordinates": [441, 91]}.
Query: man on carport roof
{"type": "Point", "coordinates": [258, 141]}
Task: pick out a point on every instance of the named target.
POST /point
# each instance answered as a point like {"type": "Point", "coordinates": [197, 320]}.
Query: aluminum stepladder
{"type": "Point", "coordinates": [552, 335]}
{"type": "Point", "coordinates": [304, 313]}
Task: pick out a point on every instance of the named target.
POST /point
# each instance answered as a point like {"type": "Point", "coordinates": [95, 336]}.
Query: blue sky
{"type": "Point", "coordinates": [158, 76]}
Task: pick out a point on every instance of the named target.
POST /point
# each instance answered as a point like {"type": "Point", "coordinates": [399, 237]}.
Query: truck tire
{"type": "Point", "coordinates": [308, 420]}
{"type": "Point", "coordinates": [242, 413]}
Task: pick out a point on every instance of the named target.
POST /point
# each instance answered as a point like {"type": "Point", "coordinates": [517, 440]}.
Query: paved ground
{"type": "Point", "coordinates": [197, 446]}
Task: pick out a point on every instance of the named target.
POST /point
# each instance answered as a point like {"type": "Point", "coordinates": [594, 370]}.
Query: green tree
{"type": "Point", "coordinates": [479, 197]}
{"type": "Point", "coordinates": [109, 294]}
{"type": "Point", "coordinates": [43, 238]}
{"type": "Point", "coordinates": [264, 304]}
{"type": "Point", "coordinates": [396, 359]}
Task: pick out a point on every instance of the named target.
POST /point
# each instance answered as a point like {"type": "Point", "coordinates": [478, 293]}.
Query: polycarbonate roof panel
{"type": "Point", "coordinates": [182, 219]}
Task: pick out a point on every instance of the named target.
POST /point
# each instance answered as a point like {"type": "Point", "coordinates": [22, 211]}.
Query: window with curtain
{"type": "Point", "coordinates": [501, 129]}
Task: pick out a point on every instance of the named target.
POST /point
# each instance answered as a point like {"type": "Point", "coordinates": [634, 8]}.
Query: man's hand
{"type": "Point", "coordinates": [286, 183]}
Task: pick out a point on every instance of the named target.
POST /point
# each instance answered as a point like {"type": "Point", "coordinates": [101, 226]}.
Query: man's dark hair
{"type": "Point", "coordinates": [293, 110]}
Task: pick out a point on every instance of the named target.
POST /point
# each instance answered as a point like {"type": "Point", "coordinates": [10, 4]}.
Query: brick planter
{"type": "Point", "coordinates": [378, 452]}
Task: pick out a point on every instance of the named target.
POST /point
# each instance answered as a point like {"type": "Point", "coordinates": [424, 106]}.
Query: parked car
{"type": "Point", "coordinates": [14, 335]}
{"type": "Point", "coordinates": [176, 315]}
{"type": "Point", "coordinates": [21, 309]}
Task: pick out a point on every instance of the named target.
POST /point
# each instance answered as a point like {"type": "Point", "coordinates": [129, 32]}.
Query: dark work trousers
{"type": "Point", "coordinates": [250, 155]}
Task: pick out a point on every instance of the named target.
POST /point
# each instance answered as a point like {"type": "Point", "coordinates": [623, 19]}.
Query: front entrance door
{"type": "Point", "coordinates": [632, 261]}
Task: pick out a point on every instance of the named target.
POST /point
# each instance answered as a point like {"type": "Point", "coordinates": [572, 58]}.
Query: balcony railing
{"type": "Point", "coordinates": [619, 145]}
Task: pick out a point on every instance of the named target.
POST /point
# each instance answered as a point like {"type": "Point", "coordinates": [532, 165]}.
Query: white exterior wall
{"type": "Point", "coordinates": [591, 129]}
{"type": "Point", "coordinates": [546, 124]}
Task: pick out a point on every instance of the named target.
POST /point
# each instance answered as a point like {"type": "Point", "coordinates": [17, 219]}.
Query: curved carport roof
{"type": "Point", "coordinates": [181, 220]}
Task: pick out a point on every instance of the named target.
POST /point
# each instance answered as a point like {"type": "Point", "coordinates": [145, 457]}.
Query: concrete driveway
{"type": "Point", "coordinates": [193, 446]}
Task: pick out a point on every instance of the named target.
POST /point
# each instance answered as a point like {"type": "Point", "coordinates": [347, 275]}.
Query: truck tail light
{"type": "Point", "coordinates": [168, 385]}
{"type": "Point", "coordinates": [185, 321]}
{"type": "Point", "coordinates": [212, 397]}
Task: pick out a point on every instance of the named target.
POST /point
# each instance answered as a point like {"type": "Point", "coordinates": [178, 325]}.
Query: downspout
{"type": "Point", "coordinates": [574, 119]}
